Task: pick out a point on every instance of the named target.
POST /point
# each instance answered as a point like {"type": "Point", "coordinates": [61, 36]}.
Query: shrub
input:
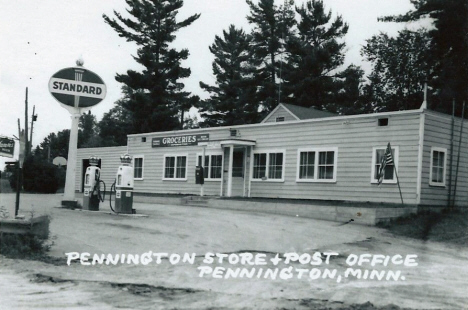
{"type": "Point", "coordinates": [23, 246]}
{"type": "Point", "coordinates": [38, 176]}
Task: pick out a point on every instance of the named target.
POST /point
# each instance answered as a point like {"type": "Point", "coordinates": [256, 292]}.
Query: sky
{"type": "Point", "coordinates": [39, 38]}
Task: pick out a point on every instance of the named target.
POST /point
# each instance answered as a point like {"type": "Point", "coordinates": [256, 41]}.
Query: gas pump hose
{"type": "Point", "coordinates": [102, 197]}
{"type": "Point", "coordinates": [97, 188]}
{"type": "Point", "coordinates": [112, 189]}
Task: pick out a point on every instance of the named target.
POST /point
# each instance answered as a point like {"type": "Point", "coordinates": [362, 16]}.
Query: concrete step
{"type": "Point", "coordinates": [196, 200]}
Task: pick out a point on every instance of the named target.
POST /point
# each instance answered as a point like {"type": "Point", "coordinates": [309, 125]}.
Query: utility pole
{"type": "Point", "coordinates": [33, 119]}
{"type": "Point", "coordinates": [26, 151]}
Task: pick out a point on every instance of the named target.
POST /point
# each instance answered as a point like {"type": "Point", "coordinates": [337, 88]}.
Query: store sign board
{"type": "Point", "coordinates": [184, 140]}
{"type": "Point", "coordinates": [7, 147]}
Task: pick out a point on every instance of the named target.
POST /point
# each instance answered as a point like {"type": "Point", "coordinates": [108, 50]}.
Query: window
{"type": "Point", "coordinates": [317, 165]}
{"type": "Point", "coordinates": [268, 166]}
{"type": "Point", "coordinates": [138, 167]}
{"type": "Point", "coordinates": [438, 163]}
{"type": "Point", "coordinates": [175, 167]}
{"type": "Point", "coordinates": [212, 167]}
{"type": "Point", "coordinates": [143, 139]}
{"type": "Point", "coordinates": [389, 172]}
{"type": "Point", "coordinates": [280, 119]}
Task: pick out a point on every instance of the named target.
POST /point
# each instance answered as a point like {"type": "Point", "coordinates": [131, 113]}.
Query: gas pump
{"type": "Point", "coordinates": [123, 187]}
{"type": "Point", "coordinates": [92, 186]}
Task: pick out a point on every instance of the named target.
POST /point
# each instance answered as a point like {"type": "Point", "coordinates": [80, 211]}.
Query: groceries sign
{"type": "Point", "coordinates": [77, 87]}
{"type": "Point", "coordinates": [7, 147]}
{"type": "Point", "coordinates": [180, 140]}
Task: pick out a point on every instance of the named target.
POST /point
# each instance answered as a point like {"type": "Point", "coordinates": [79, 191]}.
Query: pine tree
{"type": "Point", "coordinates": [271, 25]}
{"type": "Point", "coordinates": [314, 56]}
{"type": "Point", "coordinates": [349, 98]}
{"type": "Point", "coordinates": [232, 101]}
{"type": "Point", "coordinates": [118, 122]}
{"type": "Point", "coordinates": [158, 98]}
{"type": "Point", "coordinates": [449, 48]}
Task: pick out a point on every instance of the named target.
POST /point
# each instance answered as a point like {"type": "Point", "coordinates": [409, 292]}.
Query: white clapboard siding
{"type": "Point", "coordinates": [354, 136]}
{"type": "Point", "coordinates": [355, 141]}
{"type": "Point", "coordinates": [110, 161]}
{"type": "Point", "coordinates": [437, 133]}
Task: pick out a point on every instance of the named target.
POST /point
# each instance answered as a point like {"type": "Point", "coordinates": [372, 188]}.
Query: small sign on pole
{"type": "Point", "coordinates": [7, 147]}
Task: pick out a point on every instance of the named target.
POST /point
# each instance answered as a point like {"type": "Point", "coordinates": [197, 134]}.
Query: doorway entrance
{"type": "Point", "coordinates": [238, 171]}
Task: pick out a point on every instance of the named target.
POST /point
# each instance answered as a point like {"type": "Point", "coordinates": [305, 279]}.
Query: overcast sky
{"type": "Point", "coordinates": [38, 38]}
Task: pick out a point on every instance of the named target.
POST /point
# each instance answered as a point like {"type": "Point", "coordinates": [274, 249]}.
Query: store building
{"type": "Point", "coordinates": [301, 153]}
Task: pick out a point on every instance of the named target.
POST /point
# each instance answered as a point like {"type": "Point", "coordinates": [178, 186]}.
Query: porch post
{"type": "Point", "coordinates": [245, 169]}
{"type": "Point", "coordinates": [222, 174]}
{"type": "Point", "coordinates": [203, 166]}
{"type": "Point", "coordinates": [229, 185]}
{"type": "Point", "coordinates": [251, 171]}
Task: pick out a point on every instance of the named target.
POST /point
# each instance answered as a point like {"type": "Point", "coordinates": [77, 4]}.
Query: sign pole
{"type": "Point", "coordinates": [69, 192]}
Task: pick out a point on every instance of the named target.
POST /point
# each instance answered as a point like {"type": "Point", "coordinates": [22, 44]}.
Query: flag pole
{"type": "Point", "coordinates": [396, 174]}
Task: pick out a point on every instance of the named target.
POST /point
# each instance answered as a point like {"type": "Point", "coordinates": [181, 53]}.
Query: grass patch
{"type": "Point", "coordinates": [446, 226]}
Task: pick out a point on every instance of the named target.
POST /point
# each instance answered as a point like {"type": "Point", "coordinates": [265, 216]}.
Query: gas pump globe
{"type": "Point", "coordinates": [92, 193]}
{"type": "Point", "coordinates": [124, 186]}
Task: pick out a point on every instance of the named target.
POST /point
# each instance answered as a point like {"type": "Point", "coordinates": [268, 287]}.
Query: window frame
{"type": "Point", "coordinates": [396, 156]}
{"type": "Point", "coordinates": [317, 151]}
{"type": "Point", "coordinates": [267, 165]}
{"type": "Point", "coordinates": [440, 150]}
{"type": "Point", "coordinates": [142, 167]}
{"type": "Point", "coordinates": [209, 154]}
{"type": "Point", "coordinates": [175, 167]}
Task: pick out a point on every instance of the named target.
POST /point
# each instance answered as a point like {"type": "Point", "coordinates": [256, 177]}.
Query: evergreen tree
{"type": "Point", "coordinates": [349, 96]}
{"type": "Point", "coordinates": [158, 97]}
{"type": "Point", "coordinates": [314, 56]}
{"type": "Point", "coordinates": [449, 48]}
{"type": "Point", "coordinates": [271, 26]}
{"type": "Point", "coordinates": [118, 122]}
{"type": "Point", "coordinates": [232, 101]}
{"type": "Point", "coordinates": [399, 67]}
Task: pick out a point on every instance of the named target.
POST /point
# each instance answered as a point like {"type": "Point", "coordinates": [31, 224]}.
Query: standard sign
{"type": "Point", "coordinates": [7, 147]}
{"type": "Point", "coordinates": [77, 82]}
{"type": "Point", "coordinates": [180, 140]}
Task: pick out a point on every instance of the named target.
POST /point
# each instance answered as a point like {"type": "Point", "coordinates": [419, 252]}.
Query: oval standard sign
{"type": "Point", "coordinates": [77, 87]}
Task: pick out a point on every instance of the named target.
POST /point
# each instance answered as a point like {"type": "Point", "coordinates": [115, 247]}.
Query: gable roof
{"type": "Point", "coordinates": [300, 113]}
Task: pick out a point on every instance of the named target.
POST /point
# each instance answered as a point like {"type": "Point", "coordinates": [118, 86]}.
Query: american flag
{"type": "Point", "coordinates": [386, 160]}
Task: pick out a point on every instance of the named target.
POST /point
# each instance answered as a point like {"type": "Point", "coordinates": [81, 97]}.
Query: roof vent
{"type": "Point", "coordinates": [280, 119]}
{"type": "Point", "coordinates": [382, 122]}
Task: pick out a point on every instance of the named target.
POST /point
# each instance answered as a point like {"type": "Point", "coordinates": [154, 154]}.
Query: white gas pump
{"type": "Point", "coordinates": [92, 186]}
{"type": "Point", "coordinates": [124, 187]}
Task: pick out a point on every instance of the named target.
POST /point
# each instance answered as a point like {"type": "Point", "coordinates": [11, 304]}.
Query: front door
{"type": "Point", "coordinates": [238, 172]}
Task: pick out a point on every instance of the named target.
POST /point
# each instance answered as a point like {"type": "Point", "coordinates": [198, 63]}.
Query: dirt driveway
{"type": "Point", "coordinates": [252, 241]}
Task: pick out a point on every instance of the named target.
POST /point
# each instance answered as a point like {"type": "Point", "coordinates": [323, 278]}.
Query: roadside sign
{"type": "Point", "coordinates": [77, 82]}
{"type": "Point", "coordinates": [7, 147]}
